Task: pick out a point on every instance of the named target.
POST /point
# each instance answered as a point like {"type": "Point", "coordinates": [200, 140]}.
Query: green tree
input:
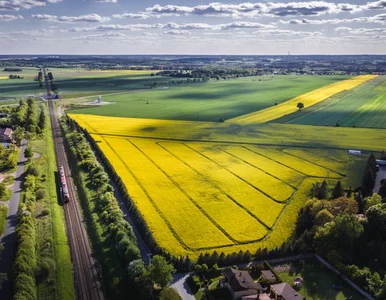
{"type": "Point", "coordinates": [28, 152]}
{"type": "Point", "coordinates": [376, 221]}
{"type": "Point", "coordinates": [338, 190]}
{"type": "Point", "coordinates": [337, 238]}
{"type": "Point", "coordinates": [373, 200]}
{"type": "Point", "coordinates": [322, 193]}
{"type": "Point", "coordinates": [169, 294]}
{"type": "Point", "coordinates": [3, 190]}
{"type": "Point", "coordinates": [300, 105]}
{"type": "Point", "coordinates": [160, 271]}
{"type": "Point", "coordinates": [18, 135]}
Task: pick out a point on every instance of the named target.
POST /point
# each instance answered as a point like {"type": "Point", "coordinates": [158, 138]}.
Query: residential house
{"type": "Point", "coordinates": [6, 135]}
{"type": "Point", "coordinates": [240, 283]}
{"type": "Point", "coordinates": [283, 291]}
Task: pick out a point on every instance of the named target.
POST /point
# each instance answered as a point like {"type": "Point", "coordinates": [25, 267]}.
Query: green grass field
{"type": "Point", "coordinates": [74, 82]}
{"type": "Point", "coordinates": [318, 281]}
{"type": "Point", "coordinates": [3, 218]}
{"type": "Point", "coordinates": [365, 106]}
{"type": "Point", "coordinates": [211, 101]}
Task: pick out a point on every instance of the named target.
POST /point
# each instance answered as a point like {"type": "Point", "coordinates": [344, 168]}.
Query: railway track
{"type": "Point", "coordinates": [86, 278]}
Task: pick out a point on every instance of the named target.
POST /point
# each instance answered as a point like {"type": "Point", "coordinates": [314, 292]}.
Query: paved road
{"type": "Point", "coordinates": [180, 284]}
{"type": "Point", "coordinates": [9, 237]}
{"type": "Point", "coordinates": [381, 174]}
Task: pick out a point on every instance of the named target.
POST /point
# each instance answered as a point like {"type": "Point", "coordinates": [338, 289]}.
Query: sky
{"type": "Point", "coordinates": [272, 27]}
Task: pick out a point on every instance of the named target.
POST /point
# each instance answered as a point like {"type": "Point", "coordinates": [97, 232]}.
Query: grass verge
{"type": "Point", "coordinates": [3, 218]}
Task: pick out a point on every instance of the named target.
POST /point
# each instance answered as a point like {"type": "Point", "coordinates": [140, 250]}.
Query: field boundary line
{"type": "Point", "coordinates": [332, 159]}
{"type": "Point", "coordinates": [189, 197]}
{"type": "Point", "coordinates": [225, 194]}
{"type": "Point", "coordinates": [150, 199]}
{"type": "Point", "coordinates": [305, 159]}
{"type": "Point", "coordinates": [239, 177]}
{"type": "Point", "coordinates": [235, 156]}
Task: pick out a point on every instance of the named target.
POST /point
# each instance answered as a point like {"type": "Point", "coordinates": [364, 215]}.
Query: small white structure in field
{"type": "Point", "coordinates": [99, 99]}
{"type": "Point", "coordinates": [354, 152]}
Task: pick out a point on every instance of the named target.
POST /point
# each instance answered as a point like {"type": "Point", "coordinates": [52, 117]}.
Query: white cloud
{"type": "Point", "coordinates": [90, 18]}
{"type": "Point", "coordinates": [252, 10]}
{"type": "Point", "coordinates": [16, 5]}
{"type": "Point", "coordinates": [142, 16]}
{"type": "Point", "coordinates": [9, 18]}
{"type": "Point", "coordinates": [376, 5]}
{"type": "Point", "coordinates": [381, 19]}
{"type": "Point", "coordinates": [177, 32]}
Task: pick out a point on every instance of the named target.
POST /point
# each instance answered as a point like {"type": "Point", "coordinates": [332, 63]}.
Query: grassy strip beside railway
{"type": "Point", "coordinates": [47, 270]}
{"type": "Point", "coordinates": [3, 217]}
{"type": "Point", "coordinates": [112, 239]}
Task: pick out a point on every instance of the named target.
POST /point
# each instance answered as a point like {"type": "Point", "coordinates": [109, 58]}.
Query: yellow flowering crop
{"type": "Point", "coordinates": [4, 77]}
{"type": "Point", "coordinates": [307, 99]}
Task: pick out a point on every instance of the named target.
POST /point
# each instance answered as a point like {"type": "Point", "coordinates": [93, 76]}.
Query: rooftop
{"type": "Point", "coordinates": [286, 291]}
{"type": "Point", "coordinates": [240, 280]}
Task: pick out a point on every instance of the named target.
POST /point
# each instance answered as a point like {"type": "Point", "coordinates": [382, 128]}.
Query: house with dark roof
{"type": "Point", "coordinates": [6, 135]}
{"type": "Point", "coordinates": [268, 276]}
{"type": "Point", "coordinates": [283, 291]}
{"type": "Point", "coordinates": [240, 283]}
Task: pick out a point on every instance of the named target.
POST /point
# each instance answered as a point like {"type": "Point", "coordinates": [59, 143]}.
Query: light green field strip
{"type": "Point", "coordinates": [296, 163]}
{"type": "Point", "coordinates": [340, 168]}
{"type": "Point", "coordinates": [264, 182]}
{"type": "Point", "coordinates": [161, 233]}
{"type": "Point", "coordinates": [234, 187]}
{"type": "Point", "coordinates": [176, 208]}
{"type": "Point", "coordinates": [269, 166]}
{"type": "Point", "coordinates": [215, 204]}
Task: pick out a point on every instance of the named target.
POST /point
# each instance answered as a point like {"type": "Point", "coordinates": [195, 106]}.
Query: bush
{"type": "Point", "coordinates": [33, 170]}
{"type": "Point", "coordinates": [40, 194]}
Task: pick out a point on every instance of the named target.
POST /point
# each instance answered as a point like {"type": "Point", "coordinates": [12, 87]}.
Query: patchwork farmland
{"type": "Point", "coordinates": [200, 195]}
{"type": "Point", "coordinates": [363, 106]}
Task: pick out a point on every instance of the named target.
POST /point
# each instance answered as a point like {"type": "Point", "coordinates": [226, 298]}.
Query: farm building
{"type": "Point", "coordinates": [354, 152]}
{"type": "Point", "coordinates": [6, 135]}
{"type": "Point", "coordinates": [268, 276]}
{"type": "Point", "coordinates": [240, 283]}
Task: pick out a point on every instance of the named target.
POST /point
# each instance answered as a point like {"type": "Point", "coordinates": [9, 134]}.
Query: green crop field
{"type": "Point", "coordinates": [211, 101]}
{"type": "Point", "coordinates": [364, 106]}
{"type": "Point", "coordinates": [74, 82]}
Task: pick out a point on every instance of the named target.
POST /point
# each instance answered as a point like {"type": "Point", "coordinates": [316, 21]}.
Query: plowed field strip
{"type": "Point", "coordinates": [219, 208]}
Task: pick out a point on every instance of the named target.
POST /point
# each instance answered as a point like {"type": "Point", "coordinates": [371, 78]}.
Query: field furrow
{"type": "Point", "coordinates": [318, 160]}
{"type": "Point", "coordinates": [293, 162]}
{"type": "Point", "coordinates": [175, 207]}
{"type": "Point", "coordinates": [240, 191]}
{"type": "Point", "coordinates": [269, 185]}
{"type": "Point", "coordinates": [287, 175]}
{"type": "Point", "coordinates": [213, 202]}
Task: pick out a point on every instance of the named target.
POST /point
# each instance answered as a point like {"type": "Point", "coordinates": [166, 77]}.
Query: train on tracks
{"type": "Point", "coordinates": [63, 188]}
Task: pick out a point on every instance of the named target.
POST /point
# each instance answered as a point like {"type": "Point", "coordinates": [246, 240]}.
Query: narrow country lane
{"type": "Point", "coordinates": [8, 239]}
{"type": "Point", "coordinates": [180, 284]}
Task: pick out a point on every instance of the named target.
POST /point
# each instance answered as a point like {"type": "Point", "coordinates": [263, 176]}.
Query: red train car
{"type": "Point", "coordinates": [63, 188]}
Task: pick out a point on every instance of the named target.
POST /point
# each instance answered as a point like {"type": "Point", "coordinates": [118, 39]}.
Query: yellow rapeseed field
{"type": "Point", "coordinates": [209, 186]}
{"type": "Point", "coordinates": [4, 77]}
{"type": "Point", "coordinates": [307, 99]}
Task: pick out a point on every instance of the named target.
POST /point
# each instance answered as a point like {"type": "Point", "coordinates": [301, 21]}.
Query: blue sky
{"type": "Point", "coordinates": [192, 27]}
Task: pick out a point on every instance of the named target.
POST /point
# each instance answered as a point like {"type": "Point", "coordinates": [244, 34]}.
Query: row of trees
{"type": "Point", "coordinates": [12, 76]}
{"type": "Point", "coordinates": [369, 176]}
{"type": "Point", "coordinates": [216, 73]}
{"type": "Point", "coordinates": [155, 84]}
{"type": "Point", "coordinates": [27, 269]}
